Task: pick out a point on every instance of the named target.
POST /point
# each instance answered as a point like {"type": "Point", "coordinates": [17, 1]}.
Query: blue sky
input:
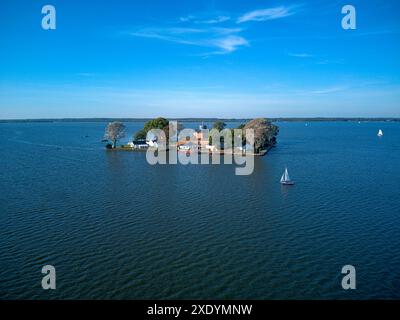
{"type": "Point", "coordinates": [197, 58]}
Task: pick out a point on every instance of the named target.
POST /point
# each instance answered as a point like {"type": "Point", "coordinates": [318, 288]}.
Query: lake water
{"type": "Point", "coordinates": [117, 228]}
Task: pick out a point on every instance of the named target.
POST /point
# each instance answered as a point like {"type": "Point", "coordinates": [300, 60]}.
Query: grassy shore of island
{"type": "Point", "coordinates": [126, 148]}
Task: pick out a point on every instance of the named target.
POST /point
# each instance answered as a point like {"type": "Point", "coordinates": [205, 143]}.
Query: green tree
{"type": "Point", "coordinates": [140, 135]}
{"type": "Point", "coordinates": [219, 125]}
{"type": "Point", "coordinates": [157, 123]}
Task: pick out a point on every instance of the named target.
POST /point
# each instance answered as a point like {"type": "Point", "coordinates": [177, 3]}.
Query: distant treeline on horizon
{"type": "Point", "coordinates": [280, 119]}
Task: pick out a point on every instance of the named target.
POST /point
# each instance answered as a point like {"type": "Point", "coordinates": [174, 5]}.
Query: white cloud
{"type": "Point", "coordinates": [226, 30]}
{"type": "Point", "coordinates": [216, 20]}
{"type": "Point", "coordinates": [205, 20]}
{"type": "Point", "coordinates": [223, 39]}
{"type": "Point", "coordinates": [230, 43]}
{"type": "Point", "coordinates": [205, 32]}
{"type": "Point", "coordinates": [266, 14]}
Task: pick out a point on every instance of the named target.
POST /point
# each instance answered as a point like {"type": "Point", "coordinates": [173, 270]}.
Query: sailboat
{"type": "Point", "coordinates": [285, 179]}
{"type": "Point", "coordinates": [380, 133]}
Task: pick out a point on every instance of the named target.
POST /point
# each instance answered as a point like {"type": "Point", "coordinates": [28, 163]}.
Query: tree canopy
{"type": "Point", "coordinates": [264, 133]}
{"type": "Point", "coordinates": [140, 135]}
{"type": "Point", "coordinates": [219, 125]}
{"type": "Point", "coordinates": [114, 132]}
{"type": "Point", "coordinates": [157, 123]}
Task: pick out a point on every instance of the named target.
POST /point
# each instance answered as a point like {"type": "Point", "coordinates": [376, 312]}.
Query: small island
{"type": "Point", "coordinates": [202, 139]}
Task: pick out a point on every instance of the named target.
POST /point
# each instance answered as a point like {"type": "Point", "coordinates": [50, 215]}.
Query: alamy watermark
{"type": "Point", "coordinates": [193, 147]}
{"type": "Point", "coordinates": [349, 20]}
{"type": "Point", "coordinates": [349, 280]}
{"type": "Point", "coordinates": [49, 280]}
{"type": "Point", "coordinates": [49, 20]}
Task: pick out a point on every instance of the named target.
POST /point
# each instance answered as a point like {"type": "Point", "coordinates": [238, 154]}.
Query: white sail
{"type": "Point", "coordinates": [285, 179]}
{"type": "Point", "coordinates": [380, 133]}
{"type": "Point", "coordinates": [285, 176]}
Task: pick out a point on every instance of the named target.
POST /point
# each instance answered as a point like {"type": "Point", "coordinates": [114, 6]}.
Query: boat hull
{"type": "Point", "coordinates": [287, 183]}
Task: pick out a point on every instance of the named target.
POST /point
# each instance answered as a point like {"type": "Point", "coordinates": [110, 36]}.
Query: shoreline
{"type": "Point", "coordinates": [221, 153]}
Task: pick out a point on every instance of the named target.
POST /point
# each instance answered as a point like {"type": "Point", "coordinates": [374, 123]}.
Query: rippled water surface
{"type": "Point", "coordinates": [116, 227]}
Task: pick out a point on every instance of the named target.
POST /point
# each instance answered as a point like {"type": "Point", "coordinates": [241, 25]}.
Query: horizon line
{"type": "Point", "coordinates": [98, 119]}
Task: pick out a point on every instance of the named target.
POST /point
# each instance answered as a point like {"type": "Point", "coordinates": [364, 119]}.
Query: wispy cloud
{"type": "Point", "coordinates": [205, 20]}
{"type": "Point", "coordinates": [330, 61]}
{"type": "Point", "coordinates": [223, 31]}
{"type": "Point", "coordinates": [216, 20]}
{"type": "Point", "coordinates": [230, 43]}
{"type": "Point", "coordinates": [301, 55]}
{"type": "Point", "coordinates": [219, 31]}
{"type": "Point", "coordinates": [316, 59]}
{"type": "Point", "coordinates": [225, 40]}
{"type": "Point", "coordinates": [267, 14]}
{"type": "Point", "coordinates": [330, 90]}
{"type": "Point", "coordinates": [186, 19]}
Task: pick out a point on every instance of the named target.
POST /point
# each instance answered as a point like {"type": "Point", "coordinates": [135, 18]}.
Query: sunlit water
{"type": "Point", "coordinates": [116, 227]}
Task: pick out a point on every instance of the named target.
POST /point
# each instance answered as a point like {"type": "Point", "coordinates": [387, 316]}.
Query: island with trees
{"type": "Point", "coordinates": [265, 133]}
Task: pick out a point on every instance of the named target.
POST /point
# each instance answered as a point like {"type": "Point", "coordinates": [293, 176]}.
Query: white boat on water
{"type": "Point", "coordinates": [380, 133]}
{"type": "Point", "coordinates": [285, 179]}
